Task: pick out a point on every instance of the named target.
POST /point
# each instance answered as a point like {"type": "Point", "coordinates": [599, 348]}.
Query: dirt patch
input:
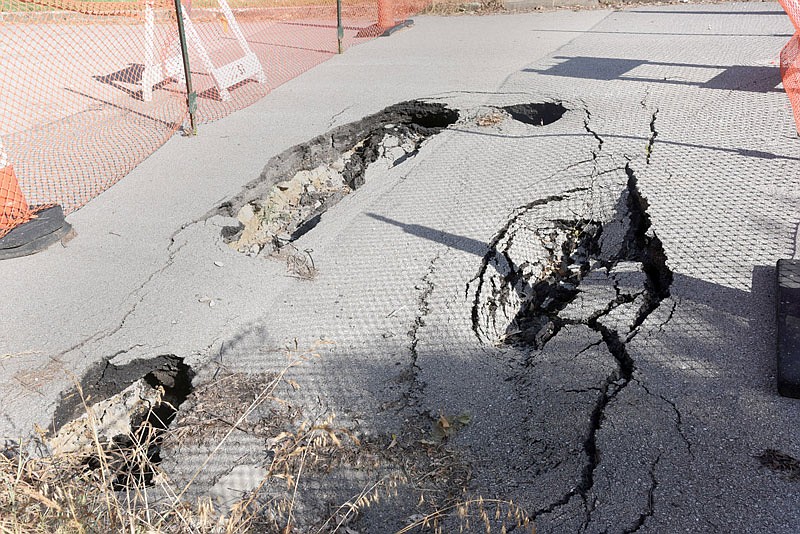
{"type": "Point", "coordinates": [780, 462]}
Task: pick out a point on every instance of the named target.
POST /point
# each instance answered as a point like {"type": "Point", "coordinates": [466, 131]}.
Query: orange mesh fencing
{"type": "Point", "coordinates": [790, 74]}
{"type": "Point", "coordinates": [90, 89]}
{"type": "Point", "coordinates": [13, 207]}
{"type": "Point", "coordinates": [790, 63]}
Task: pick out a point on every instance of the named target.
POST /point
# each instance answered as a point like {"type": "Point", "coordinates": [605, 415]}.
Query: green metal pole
{"type": "Point", "coordinates": [191, 96]}
{"type": "Point", "coordinates": [339, 27]}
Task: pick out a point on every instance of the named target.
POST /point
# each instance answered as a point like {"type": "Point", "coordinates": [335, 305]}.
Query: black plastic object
{"type": "Point", "coordinates": [35, 235]}
{"type": "Point", "coordinates": [788, 328]}
{"type": "Point", "coordinates": [377, 31]}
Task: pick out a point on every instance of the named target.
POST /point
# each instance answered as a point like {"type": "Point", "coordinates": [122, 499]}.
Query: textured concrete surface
{"type": "Point", "coordinates": [626, 415]}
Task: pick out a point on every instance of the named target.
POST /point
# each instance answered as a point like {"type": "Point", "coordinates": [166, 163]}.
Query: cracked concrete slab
{"type": "Point", "coordinates": [633, 237]}
{"type": "Point", "coordinates": [131, 261]}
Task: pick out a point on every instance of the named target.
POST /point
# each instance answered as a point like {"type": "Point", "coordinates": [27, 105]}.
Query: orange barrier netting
{"type": "Point", "coordinates": [790, 63]}
{"type": "Point", "coordinates": [90, 89]}
{"type": "Point", "coordinates": [13, 207]}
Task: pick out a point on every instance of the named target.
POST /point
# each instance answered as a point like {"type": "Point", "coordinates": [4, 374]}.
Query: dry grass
{"type": "Point", "coordinates": [116, 486]}
{"type": "Point", "coordinates": [47, 492]}
{"type": "Point", "coordinates": [476, 515]}
{"type": "Point", "coordinates": [461, 7]}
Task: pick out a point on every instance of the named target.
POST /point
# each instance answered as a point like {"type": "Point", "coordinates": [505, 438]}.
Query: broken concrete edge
{"type": "Point", "coordinates": [299, 185]}
{"type": "Point", "coordinates": [329, 146]}
{"type": "Point", "coordinates": [108, 419]}
{"type": "Point", "coordinates": [311, 177]}
{"type": "Point", "coordinates": [121, 409]}
{"type": "Point", "coordinates": [36, 235]}
{"type": "Point", "coordinates": [105, 379]}
{"type": "Point", "coordinates": [115, 419]}
{"type": "Point", "coordinates": [788, 327]}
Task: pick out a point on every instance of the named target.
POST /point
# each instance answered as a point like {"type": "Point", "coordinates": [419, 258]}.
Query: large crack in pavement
{"type": "Point", "coordinates": [652, 139]}
{"type": "Point", "coordinates": [423, 308]}
{"type": "Point", "coordinates": [586, 126]}
{"type": "Point", "coordinates": [650, 505]}
{"type": "Point", "coordinates": [545, 272]}
{"type": "Point", "coordinates": [584, 260]}
{"type": "Point", "coordinates": [299, 185]}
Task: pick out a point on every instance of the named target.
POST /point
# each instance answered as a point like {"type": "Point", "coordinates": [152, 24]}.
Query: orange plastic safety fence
{"type": "Point", "coordinates": [90, 89]}
{"type": "Point", "coordinates": [105, 9]}
{"type": "Point", "coordinates": [790, 62]}
{"type": "Point", "coordinates": [72, 117]}
{"type": "Point", "coordinates": [13, 207]}
{"type": "Point", "coordinates": [790, 74]}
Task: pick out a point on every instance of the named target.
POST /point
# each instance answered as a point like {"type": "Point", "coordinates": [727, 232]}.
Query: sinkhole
{"type": "Point", "coordinates": [128, 408]}
{"type": "Point", "coordinates": [538, 113]}
{"type": "Point", "coordinates": [299, 185]}
{"type": "Point", "coordinates": [545, 269]}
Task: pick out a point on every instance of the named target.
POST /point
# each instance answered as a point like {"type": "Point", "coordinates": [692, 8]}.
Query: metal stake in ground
{"type": "Point", "coordinates": [191, 96]}
{"type": "Point", "coordinates": [339, 27]}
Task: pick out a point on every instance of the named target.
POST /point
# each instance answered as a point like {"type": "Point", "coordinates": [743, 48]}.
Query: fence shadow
{"type": "Point", "coordinates": [758, 79]}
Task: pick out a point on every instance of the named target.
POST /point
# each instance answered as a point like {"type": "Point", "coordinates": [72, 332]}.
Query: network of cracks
{"type": "Point", "coordinates": [547, 273]}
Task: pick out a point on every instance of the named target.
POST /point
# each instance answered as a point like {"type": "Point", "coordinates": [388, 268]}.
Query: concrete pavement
{"type": "Point", "coordinates": [594, 297]}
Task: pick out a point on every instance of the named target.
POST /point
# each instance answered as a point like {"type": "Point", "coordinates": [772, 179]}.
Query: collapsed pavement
{"type": "Point", "coordinates": [574, 316]}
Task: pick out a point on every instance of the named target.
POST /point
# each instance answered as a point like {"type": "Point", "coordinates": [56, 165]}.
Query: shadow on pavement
{"type": "Point", "coordinates": [758, 79]}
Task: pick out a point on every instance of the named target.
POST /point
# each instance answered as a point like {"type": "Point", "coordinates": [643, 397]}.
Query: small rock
{"type": "Point", "coordinates": [246, 213]}
{"type": "Point", "coordinates": [409, 145]}
{"type": "Point", "coordinates": [219, 264]}
{"type": "Point", "coordinates": [390, 141]}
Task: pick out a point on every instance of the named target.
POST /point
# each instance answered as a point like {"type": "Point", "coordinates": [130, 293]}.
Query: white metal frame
{"type": "Point", "coordinates": [225, 76]}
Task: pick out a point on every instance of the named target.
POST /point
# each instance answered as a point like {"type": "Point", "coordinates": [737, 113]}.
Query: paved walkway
{"type": "Point", "coordinates": [671, 183]}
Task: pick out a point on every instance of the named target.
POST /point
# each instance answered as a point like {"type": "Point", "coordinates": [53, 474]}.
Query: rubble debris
{"type": "Point", "coordinates": [301, 184]}
{"type": "Point", "coordinates": [124, 410]}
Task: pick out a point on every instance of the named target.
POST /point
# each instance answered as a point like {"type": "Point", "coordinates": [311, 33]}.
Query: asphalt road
{"type": "Point", "coordinates": [588, 304]}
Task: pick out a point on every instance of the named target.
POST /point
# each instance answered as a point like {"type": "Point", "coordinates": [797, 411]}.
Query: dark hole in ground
{"type": "Point", "coordinates": [538, 319]}
{"type": "Point", "coordinates": [299, 185]}
{"type": "Point", "coordinates": [584, 247]}
{"type": "Point", "coordinates": [176, 379]}
{"type": "Point", "coordinates": [537, 114]}
{"type": "Point", "coordinates": [586, 272]}
{"type": "Point", "coordinates": [132, 455]}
